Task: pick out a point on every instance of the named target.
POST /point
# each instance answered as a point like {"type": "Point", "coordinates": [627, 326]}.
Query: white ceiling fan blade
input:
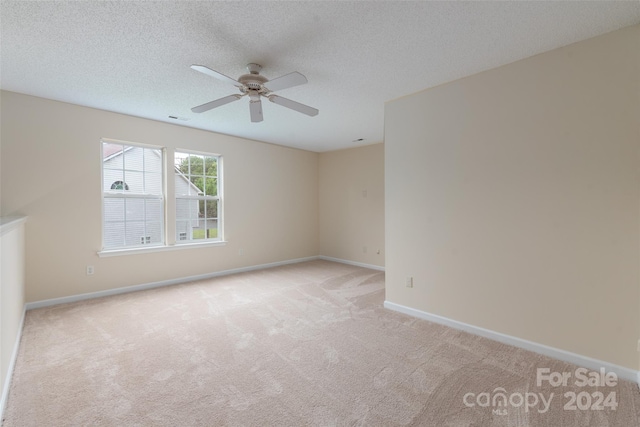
{"type": "Point", "coordinates": [217, 103]}
{"type": "Point", "coordinates": [217, 75]}
{"type": "Point", "coordinates": [301, 108]}
{"type": "Point", "coordinates": [286, 81]}
{"type": "Point", "coordinates": [255, 107]}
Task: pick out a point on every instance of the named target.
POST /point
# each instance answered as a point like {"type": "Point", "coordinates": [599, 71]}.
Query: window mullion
{"type": "Point", "coordinates": [118, 195]}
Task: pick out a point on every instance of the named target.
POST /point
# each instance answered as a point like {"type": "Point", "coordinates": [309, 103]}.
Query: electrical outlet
{"type": "Point", "coordinates": [409, 282]}
{"type": "Point", "coordinates": [364, 249]}
{"type": "Point", "coordinates": [241, 252]}
{"type": "Point", "coordinates": [90, 270]}
{"type": "Point", "coordinates": [639, 346]}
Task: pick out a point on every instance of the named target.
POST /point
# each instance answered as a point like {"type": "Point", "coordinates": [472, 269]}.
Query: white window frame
{"type": "Point", "coordinates": [125, 194]}
{"type": "Point", "coordinates": [201, 197]}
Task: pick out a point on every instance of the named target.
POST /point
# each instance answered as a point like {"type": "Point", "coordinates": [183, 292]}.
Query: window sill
{"type": "Point", "coordinates": [147, 250]}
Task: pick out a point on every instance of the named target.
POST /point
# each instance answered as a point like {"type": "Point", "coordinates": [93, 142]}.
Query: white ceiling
{"type": "Point", "coordinates": [134, 57]}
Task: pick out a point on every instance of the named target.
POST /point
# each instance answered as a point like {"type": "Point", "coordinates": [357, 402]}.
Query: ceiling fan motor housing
{"type": "Point", "coordinates": [254, 82]}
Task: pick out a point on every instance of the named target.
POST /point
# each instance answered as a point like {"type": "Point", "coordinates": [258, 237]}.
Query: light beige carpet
{"type": "Point", "coordinates": [304, 344]}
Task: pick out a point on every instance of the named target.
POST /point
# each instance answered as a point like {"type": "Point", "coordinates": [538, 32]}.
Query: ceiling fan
{"type": "Point", "coordinates": [255, 86]}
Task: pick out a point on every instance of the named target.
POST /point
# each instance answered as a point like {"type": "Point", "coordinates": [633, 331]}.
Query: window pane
{"type": "Point", "coordinates": [211, 209]}
{"type": "Point", "coordinates": [153, 182]}
{"type": "Point", "coordinates": [196, 185]}
{"type": "Point", "coordinates": [135, 181]}
{"type": "Point", "coordinates": [113, 234]}
{"type": "Point", "coordinates": [211, 167]}
{"type": "Point", "coordinates": [183, 185]}
{"type": "Point", "coordinates": [134, 158]}
{"type": "Point", "coordinates": [195, 164]}
{"type": "Point", "coordinates": [179, 159]}
{"type": "Point", "coordinates": [134, 209]}
{"type": "Point", "coordinates": [183, 230]}
{"type": "Point", "coordinates": [111, 176]}
{"type": "Point", "coordinates": [113, 210]}
{"type": "Point", "coordinates": [154, 210]}
{"type": "Point", "coordinates": [211, 227]}
{"type": "Point", "coordinates": [154, 232]}
{"type": "Point", "coordinates": [153, 160]}
{"type": "Point", "coordinates": [198, 233]}
{"type": "Point", "coordinates": [135, 233]}
{"type": "Point", "coordinates": [186, 209]}
{"type": "Point", "coordinates": [112, 155]}
{"type": "Point", "coordinates": [211, 186]}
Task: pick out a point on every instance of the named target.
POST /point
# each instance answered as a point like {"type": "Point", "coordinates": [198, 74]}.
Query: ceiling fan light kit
{"type": "Point", "coordinates": [256, 86]}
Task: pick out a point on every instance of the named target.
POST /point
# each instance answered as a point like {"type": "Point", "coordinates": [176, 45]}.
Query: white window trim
{"type": "Point", "coordinates": [159, 248]}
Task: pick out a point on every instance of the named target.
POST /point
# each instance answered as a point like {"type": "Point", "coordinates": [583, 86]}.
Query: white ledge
{"type": "Point", "coordinates": [151, 249]}
{"type": "Point", "coordinates": [10, 222]}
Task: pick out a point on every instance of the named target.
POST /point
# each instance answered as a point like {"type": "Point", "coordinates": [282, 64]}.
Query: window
{"type": "Point", "coordinates": [134, 202]}
{"type": "Point", "coordinates": [132, 195]}
{"type": "Point", "coordinates": [197, 197]}
{"type": "Point", "coordinates": [119, 185]}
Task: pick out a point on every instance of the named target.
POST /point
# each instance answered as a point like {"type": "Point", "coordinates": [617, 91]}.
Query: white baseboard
{"type": "Point", "coordinates": [357, 264]}
{"type": "Point", "coordinates": [145, 286]}
{"type": "Point", "coordinates": [12, 362]}
{"type": "Point", "coordinates": [566, 356]}
{"type": "Point", "coordinates": [142, 287]}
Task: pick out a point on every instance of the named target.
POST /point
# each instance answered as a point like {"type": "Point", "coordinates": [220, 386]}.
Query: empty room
{"type": "Point", "coordinates": [266, 213]}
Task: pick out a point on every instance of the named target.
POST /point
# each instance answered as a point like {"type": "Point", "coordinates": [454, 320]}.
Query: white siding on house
{"type": "Point", "coordinates": [136, 160]}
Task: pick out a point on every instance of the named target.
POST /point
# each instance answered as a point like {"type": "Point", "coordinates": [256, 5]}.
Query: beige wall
{"type": "Point", "coordinates": [512, 198]}
{"type": "Point", "coordinates": [12, 267]}
{"type": "Point", "coordinates": [352, 204]}
{"type": "Point", "coordinates": [51, 173]}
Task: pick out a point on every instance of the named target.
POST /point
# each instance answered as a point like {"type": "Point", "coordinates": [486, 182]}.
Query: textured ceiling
{"type": "Point", "coordinates": [134, 57]}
